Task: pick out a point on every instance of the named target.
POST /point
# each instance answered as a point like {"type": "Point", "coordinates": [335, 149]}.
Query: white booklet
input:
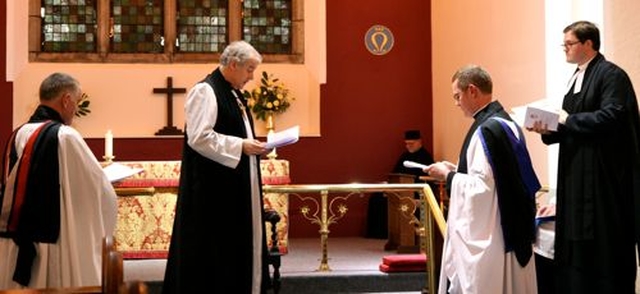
{"type": "Point", "coordinates": [413, 164]}
{"type": "Point", "coordinates": [283, 138]}
{"type": "Point", "coordinates": [544, 110]}
{"type": "Point", "coordinates": [116, 171]}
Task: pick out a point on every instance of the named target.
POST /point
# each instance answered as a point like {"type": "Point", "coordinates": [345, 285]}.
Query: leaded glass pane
{"type": "Point", "coordinates": [137, 26]}
{"type": "Point", "coordinates": [202, 25]}
{"type": "Point", "coordinates": [68, 26]}
{"type": "Point", "coordinates": [267, 25]}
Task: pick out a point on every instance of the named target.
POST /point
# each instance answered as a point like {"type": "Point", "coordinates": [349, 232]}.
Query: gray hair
{"type": "Point", "coordinates": [55, 84]}
{"type": "Point", "coordinates": [473, 74]}
{"type": "Point", "coordinates": [240, 51]}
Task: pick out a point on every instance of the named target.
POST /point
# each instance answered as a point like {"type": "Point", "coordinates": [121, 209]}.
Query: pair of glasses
{"type": "Point", "coordinates": [569, 44]}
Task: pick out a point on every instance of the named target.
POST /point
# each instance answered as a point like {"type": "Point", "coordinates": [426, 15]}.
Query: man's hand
{"type": "Point", "coordinates": [539, 128]}
{"type": "Point", "coordinates": [440, 170]}
{"type": "Point", "coordinates": [254, 147]}
{"type": "Point", "coordinates": [546, 210]}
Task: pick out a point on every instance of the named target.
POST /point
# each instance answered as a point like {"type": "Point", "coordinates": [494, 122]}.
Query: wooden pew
{"type": "Point", "coordinates": [112, 278]}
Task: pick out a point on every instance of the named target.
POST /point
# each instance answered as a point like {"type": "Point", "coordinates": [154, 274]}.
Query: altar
{"type": "Point", "coordinates": [147, 201]}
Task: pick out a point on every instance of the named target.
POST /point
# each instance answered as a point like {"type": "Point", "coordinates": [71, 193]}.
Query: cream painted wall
{"type": "Point", "coordinates": [510, 40]}
{"type": "Point", "coordinates": [621, 36]}
{"type": "Point", "coordinates": [507, 38]}
{"type": "Point", "coordinates": [122, 96]}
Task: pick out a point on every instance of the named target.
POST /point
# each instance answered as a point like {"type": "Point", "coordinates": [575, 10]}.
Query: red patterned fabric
{"type": "Point", "coordinates": [145, 222]}
{"type": "Point", "coordinates": [131, 183]}
{"type": "Point", "coordinates": [154, 174]}
{"type": "Point", "coordinates": [276, 172]}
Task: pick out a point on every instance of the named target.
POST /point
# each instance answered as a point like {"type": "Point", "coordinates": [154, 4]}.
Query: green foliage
{"type": "Point", "coordinates": [270, 97]}
{"type": "Point", "coordinates": [83, 106]}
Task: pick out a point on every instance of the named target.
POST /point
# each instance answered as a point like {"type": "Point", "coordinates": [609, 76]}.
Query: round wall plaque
{"type": "Point", "coordinates": [378, 40]}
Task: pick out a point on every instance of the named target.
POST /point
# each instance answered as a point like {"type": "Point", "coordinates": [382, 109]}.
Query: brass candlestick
{"type": "Point", "coordinates": [271, 126]}
{"type": "Point", "coordinates": [108, 159]}
{"type": "Point", "coordinates": [270, 122]}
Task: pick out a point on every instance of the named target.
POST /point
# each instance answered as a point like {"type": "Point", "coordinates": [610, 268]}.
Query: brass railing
{"type": "Point", "coordinates": [332, 208]}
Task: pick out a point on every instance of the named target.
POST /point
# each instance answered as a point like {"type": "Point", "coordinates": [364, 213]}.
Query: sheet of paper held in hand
{"type": "Point", "coordinates": [413, 164]}
{"type": "Point", "coordinates": [116, 171]}
{"type": "Point", "coordinates": [283, 138]}
{"type": "Point", "coordinates": [542, 110]}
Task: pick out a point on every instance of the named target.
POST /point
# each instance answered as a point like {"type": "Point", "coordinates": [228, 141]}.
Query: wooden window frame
{"type": "Point", "coordinates": [170, 54]}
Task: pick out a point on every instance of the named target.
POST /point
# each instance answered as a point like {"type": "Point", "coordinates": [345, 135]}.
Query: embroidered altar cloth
{"type": "Point", "coordinates": [147, 201]}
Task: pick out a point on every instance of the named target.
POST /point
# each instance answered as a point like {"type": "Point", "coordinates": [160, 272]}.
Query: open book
{"type": "Point", "coordinates": [283, 138]}
{"type": "Point", "coordinates": [544, 110]}
{"type": "Point", "coordinates": [116, 171]}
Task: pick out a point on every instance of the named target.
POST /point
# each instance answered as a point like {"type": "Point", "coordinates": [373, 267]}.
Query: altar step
{"type": "Point", "coordinates": [405, 283]}
{"type": "Point", "coordinates": [353, 262]}
{"type": "Point", "coordinates": [365, 282]}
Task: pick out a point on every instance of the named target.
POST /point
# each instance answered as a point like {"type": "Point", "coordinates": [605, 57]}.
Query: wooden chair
{"type": "Point", "coordinates": [112, 278]}
{"type": "Point", "coordinates": [273, 217]}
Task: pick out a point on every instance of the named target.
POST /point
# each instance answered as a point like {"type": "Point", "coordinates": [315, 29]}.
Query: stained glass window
{"type": "Point", "coordinates": [202, 25]}
{"type": "Point", "coordinates": [137, 26]}
{"type": "Point", "coordinates": [68, 25]}
{"type": "Point", "coordinates": [163, 31]}
{"type": "Point", "coordinates": [267, 25]}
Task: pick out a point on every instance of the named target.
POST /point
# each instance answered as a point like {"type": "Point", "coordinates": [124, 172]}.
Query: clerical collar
{"type": "Point", "coordinates": [481, 109]}
{"type": "Point", "coordinates": [43, 113]}
{"type": "Point", "coordinates": [578, 77]}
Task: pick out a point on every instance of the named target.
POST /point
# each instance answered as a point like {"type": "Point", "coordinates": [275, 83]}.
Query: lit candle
{"type": "Point", "coordinates": [108, 144]}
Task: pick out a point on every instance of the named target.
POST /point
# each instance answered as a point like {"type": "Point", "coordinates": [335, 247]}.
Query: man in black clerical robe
{"type": "Point", "coordinates": [415, 152]}
{"type": "Point", "coordinates": [377, 218]}
{"type": "Point", "coordinates": [218, 243]}
{"type": "Point", "coordinates": [598, 186]}
{"type": "Point", "coordinates": [598, 192]}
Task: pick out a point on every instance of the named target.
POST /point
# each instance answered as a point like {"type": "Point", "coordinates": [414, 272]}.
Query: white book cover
{"type": "Point", "coordinates": [544, 110]}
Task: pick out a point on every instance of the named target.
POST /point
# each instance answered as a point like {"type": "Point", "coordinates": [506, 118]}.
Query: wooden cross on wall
{"type": "Point", "coordinates": [169, 129]}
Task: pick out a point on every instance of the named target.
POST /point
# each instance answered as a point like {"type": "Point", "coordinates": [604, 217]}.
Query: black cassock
{"type": "Point", "coordinates": [598, 184]}
{"type": "Point", "coordinates": [211, 248]}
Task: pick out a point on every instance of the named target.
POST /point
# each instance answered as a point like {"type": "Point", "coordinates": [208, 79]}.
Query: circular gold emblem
{"type": "Point", "coordinates": [378, 40]}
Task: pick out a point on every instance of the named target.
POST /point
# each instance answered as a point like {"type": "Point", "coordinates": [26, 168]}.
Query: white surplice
{"type": "Point", "coordinates": [88, 211]}
{"type": "Point", "coordinates": [474, 258]}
